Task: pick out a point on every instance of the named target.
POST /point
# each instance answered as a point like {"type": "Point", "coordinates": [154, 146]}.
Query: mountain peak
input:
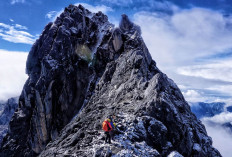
{"type": "Point", "coordinates": [82, 70]}
{"type": "Point", "coordinates": [125, 23]}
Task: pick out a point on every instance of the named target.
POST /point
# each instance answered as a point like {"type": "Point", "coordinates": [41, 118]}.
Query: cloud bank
{"type": "Point", "coordinates": [214, 70]}
{"type": "Point", "coordinates": [12, 70]}
{"type": "Point", "coordinates": [184, 44]}
{"type": "Point", "coordinates": [222, 138]}
{"type": "Point", "coordinates": [186, 35]}
{"type": "Point", "coordinates": [225, 117]}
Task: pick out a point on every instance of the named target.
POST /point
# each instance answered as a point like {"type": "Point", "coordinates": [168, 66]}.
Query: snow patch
{"type": "Point", "coordinates": [175, 154]}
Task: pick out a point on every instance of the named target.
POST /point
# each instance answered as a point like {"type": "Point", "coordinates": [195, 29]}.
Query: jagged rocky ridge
{"type": "Point", "coordinates": [82, 69]}
{"type": "Point", "coordinates": [7, 110]}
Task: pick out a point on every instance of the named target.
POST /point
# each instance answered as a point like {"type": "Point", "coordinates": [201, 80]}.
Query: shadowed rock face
{"type": "Point", "coordinates": [82, 69]}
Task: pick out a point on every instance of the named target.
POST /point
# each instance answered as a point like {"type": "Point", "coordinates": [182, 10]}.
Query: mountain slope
{"type": "Point", "coordinates": [81, 70]}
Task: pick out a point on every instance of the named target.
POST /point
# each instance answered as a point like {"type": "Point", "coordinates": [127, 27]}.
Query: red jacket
{"type": "Point", "coordinates": [109, 126]}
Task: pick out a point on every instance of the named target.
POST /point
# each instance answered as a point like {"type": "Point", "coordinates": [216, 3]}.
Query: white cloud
{"type": "Point", "coordinates": [12, 70]}
{"type": "Point", "coordinates": [222, 139]}
{"type": "Point", "coordinates": [20, 27]}
{"type": "Point", "coordinates": [199, 95]}
{"type": "Point", "coordinates": [51, 14]}
{"type": "Point", "coordinates": [17, 1]}
{"type": "Point", "coordinates": [225, 117]}
{"type": "Point", "coordinates": [12, 34]}
{"type": "Point", "coordinates": [222, 136]}
{"type": "Point", "coordinates": [177, 41]}
{"type": "Point", "coordinates": [220, 70]}
{"type": "Point", "coordinates": [193, 96]}
{"type": "Point", "coordinates": [5, 26]}
{"type": "Point", "coordinates": [181, 38]}
{"type": "Point", "coordinates": [226, 89]}
{"type": "Point", "coordinates": [11, 20]}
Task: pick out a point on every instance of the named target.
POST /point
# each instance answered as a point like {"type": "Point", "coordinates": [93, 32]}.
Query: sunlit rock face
{"type": "Point", "coordinates": [82, 69]}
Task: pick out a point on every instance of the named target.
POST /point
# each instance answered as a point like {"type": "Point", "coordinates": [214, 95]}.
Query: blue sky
{"type": "Point", "coordinates": [191, 41]}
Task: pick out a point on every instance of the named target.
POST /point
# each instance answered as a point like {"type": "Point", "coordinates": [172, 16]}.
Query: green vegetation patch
{"type": "Point", "coordinates": [84, 52]}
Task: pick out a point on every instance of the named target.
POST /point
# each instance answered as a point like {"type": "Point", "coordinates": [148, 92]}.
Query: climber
{"type": "Point", "coordinates": [107, 128]}
{"type": "Point", "coordinates": [113, 125]}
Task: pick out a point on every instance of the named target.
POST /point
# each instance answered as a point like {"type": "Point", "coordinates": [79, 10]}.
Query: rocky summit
{"type": "Point", "coordinates": [83, 69]}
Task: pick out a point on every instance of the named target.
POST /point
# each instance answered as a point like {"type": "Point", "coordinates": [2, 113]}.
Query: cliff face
{"type": "Point", "coordinates": [82, 69]}
{"type": "Point", "coordinates": [7, 110]}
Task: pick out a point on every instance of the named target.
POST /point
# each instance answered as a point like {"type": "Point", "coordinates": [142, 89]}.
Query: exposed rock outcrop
{"type": "Point", "coordinates": [7, 110]}
{"type": "Point", "coordinates": [81, 70]}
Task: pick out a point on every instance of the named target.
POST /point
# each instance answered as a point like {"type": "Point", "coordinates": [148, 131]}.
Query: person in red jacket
{"type": "Point", "coordinates": [107, 128]}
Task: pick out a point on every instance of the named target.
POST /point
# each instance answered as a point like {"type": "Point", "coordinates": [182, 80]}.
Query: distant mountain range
{"type": "Point", "coordinates": [208, 110]}
{"type": "Point", "coordinates": [202, 109]}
